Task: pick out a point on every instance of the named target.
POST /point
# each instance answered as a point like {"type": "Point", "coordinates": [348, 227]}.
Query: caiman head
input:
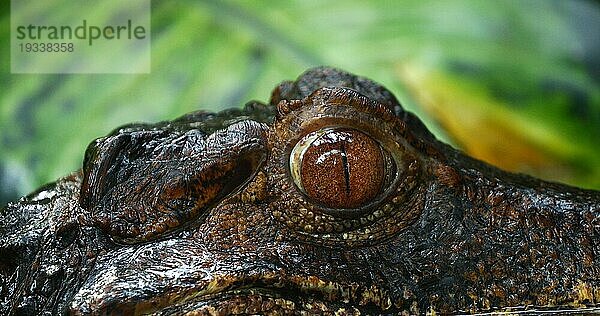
{"type": "Point", "coordinates": [330, 200]}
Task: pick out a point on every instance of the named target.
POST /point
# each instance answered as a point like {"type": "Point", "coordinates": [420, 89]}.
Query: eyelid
{"type": "Point", "coordinates": [139, 185]}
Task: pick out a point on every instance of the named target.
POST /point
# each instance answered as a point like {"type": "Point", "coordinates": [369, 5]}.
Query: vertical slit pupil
{"type": "Point", "coordinates": [340, 168]}
{"type": "Point", "coordinates": [346, 167]}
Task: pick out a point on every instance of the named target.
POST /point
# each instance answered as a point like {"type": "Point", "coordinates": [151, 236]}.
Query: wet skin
{"type": "Point", "coordinates": [331, 199]}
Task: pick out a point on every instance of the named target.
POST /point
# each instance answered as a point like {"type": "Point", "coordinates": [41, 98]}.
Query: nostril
{"type": "Point", "coordinates": [67, 233]}
{"type": "Point", "coordinates": [9, 259]}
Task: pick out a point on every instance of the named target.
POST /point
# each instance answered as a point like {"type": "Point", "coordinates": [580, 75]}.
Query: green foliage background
{"type": "Point", "coordinates": [538, 59]}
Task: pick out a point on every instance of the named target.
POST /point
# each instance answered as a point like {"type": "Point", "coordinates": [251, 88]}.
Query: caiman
{"type": "Point", "coordinates": [331, 200]}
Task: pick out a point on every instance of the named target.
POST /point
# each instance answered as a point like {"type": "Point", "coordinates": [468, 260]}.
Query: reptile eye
{"type": "Point", "coordinates": [340, 168]}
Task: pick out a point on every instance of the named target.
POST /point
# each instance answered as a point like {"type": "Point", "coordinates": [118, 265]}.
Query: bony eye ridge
{"type": "Point", "coordinates": [339, 168]}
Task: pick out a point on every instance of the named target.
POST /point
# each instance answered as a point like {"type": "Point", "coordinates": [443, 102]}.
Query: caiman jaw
{"type": "Point", "coordinates": [205, 285]}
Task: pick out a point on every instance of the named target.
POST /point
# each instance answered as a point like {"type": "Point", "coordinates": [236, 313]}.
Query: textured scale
{"type": "Point", "coordinates": [231, 213]}
{"type": "Point", "coordinates": [142, 182]}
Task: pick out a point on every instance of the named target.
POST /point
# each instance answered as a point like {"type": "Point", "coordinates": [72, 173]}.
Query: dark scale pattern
{"type": "Point", "coordinates": [142, 183]}
{"type": "Point", "coordinates": [203, 215]}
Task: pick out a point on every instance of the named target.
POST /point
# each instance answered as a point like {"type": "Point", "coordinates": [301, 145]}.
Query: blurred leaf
{"type": "Point", "coordinates": [540, 136]}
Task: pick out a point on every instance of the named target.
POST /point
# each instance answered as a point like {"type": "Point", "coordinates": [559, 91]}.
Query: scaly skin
{"type": "Point", "coordinates": [207, 214]}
